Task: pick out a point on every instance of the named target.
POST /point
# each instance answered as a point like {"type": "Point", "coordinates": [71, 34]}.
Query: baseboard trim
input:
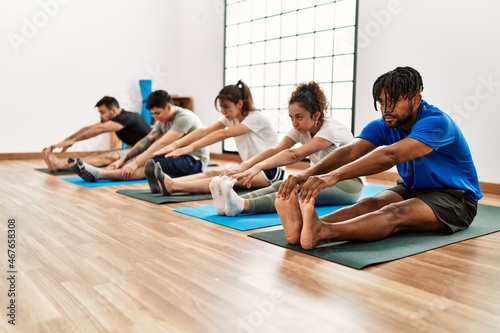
{"type": "Point", "coordinates": [33, 156]}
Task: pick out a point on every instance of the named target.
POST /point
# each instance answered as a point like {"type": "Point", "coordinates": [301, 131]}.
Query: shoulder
{"type": "Point", "coordinates": [431, 117]}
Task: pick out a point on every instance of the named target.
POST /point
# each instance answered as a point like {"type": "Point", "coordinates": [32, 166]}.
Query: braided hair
{"type": "Point", "coordinates": [402, 82]}
{"type": "Point", "coordinates": [311, 97]}
{"type": "Point", "coordinates": [235, 93]}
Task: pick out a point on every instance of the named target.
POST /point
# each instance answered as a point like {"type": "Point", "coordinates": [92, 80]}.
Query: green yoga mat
{"type": "Point", "coordinates": [58, 173]}
{"type": "Point", "coordinates": [158, 198]}
{"type": "Point", "coordinates": [362, 254]}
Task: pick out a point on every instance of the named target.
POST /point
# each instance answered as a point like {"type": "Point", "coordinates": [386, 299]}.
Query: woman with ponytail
{"type": "Point", "coordinates": [252, 132]}
{"type": "Point", "coordinates": [318, 136]}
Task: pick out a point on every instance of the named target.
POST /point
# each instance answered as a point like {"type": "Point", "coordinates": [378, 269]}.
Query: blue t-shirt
{"type": "Point", "coordinates": [450, 163]}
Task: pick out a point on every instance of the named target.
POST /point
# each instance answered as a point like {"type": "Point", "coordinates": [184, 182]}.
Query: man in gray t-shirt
{"type": "Point", "coordinates": [172, 123]}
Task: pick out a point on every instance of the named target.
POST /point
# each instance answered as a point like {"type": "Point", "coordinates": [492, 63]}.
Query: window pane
{"type": "Point", "coordinates": [325, 17]}
{"type": "Point", "coordinates": [323, 46]}
{"type": "Point", "coordinates": [343, 67]}
{"type": "Point", "coordinates": [344, 41]}
{"type": "Point", "coordinates": [342, 95]}
{"type": "Point", "coordinates": [257, 75]}
{"type": "Point", "coordinates": [305, 70]}
{"type": "Point", "coordinates": [323, 70]}
{"type": "Point", "coordinates": [272, 50]}
{"type": "Point", "coordinates": [258, 53]}
{"type": "Point", "coordinates": [272, 74]}
{"type": "Point", "coordinates": [306, 21]}
{"type": "Point", "coordinates": [345, 13]}
{"type": "Point", "coordinates": [258, 30]}
{"type": "Point", "coordinates": [288, 72]}
{"type": "Point", "coordinates": [258, 9]}
{"type": "Point", "coordinates": [305, 46]}
{"type": "Point", "coordinates": [289, 24]}
{"type": "Point", "coordinates": [289, 48]}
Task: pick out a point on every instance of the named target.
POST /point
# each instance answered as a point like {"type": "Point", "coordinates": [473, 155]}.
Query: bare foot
{"type": "Point", "coordinates": [291, 218]}
{"type": "Point", "coordinates": [309, 238]}
{"type": "Point", "coordinates": [54, 164]}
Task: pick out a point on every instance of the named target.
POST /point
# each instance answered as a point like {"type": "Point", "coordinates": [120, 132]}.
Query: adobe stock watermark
{"type": "Point", "coordinates": [420, 319]}
{"type": "Point", "coordinates": [263, 310]}
{"type": "Point", "coordinates": [380, 20]}
{"type": "Point", "coordinates": [219, 7]}
{"type": "Point", "coordinates": [30, 26]}
{"type": "Point", "coordinates": [483, 91]}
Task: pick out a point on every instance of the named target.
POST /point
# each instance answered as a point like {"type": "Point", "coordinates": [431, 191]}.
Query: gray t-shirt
{"type": "Point", "coordinates": [185, 121]}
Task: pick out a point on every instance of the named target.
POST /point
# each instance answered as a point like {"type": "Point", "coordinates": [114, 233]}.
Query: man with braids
{"type": "Point", "coordinates": [172, 123]}
{"type": "Point", "coordinates": [438, 191]}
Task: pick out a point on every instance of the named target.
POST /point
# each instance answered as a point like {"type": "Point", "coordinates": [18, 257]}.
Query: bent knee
{"type": "Point", "coordinates": [373, 203]}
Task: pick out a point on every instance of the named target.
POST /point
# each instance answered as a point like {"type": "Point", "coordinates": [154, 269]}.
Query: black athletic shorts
{"type": "Point", "coordinates": [275, 174]}
{"type": "Point", "coordinates": [455, 208]}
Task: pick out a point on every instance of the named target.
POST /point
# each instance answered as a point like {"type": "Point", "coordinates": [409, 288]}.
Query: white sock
{"type": "Point", "coordinates": [217, 193]}
{"type": "Point", "coordinates": [233, 203]}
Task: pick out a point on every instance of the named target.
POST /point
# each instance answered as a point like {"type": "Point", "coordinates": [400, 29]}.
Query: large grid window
{"type": "Point", "coordinates": [271, 45]}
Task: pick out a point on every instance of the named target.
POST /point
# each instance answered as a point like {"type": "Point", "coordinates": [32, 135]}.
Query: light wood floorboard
{"type": "Point", "coordinates": [92, 260]}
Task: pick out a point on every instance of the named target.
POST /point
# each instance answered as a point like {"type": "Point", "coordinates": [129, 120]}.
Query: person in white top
{"type": "Point", "coordinates": [252, 132]}
{"type": "Point", "coordinates": [318, 135]}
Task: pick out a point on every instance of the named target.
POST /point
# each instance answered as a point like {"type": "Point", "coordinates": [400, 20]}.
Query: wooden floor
{"type": "Point", "coordinates": [91, 260]}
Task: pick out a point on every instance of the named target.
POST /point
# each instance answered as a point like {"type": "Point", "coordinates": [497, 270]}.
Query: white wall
{"type": "Point", "coordinates": [454, 45]}
{"type": "Point", "coordinates": [59, 57]}
{"type": "Point", "coordinates": [202, 56]}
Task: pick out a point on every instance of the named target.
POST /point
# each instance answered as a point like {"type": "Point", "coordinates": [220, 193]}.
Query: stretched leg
{"type": "Point", "coordinates": [172, 185]}
{"type": "Point", "coordinates": [91, 173]}
{"type": "Point", "coordinates": [291, 218]}
{"type": "Point", "coordinates": [201, 175]}
{"type": "Point", "coordinates": [101, 159]}
{"type": "Point", "coordinates": [412, 214]}
{"type": "Point", "coordinates": [363, 206]}
{"type": "Point", "coordinates": [202, 185]}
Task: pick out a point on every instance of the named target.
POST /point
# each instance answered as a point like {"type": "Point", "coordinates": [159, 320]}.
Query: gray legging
{"type": "Point", "coordinates": [343, 193]}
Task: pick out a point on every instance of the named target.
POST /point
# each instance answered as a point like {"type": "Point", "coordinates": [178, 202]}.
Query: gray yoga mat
{"type": "Point", "coordinates": [362, 254]}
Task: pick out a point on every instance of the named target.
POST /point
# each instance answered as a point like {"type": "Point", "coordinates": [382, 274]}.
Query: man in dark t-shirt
{"type": "Point", "coordinates": [129, 127]}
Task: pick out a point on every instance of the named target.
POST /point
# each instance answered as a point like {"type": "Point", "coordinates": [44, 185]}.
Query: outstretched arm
{"type": "Point", "coordinates": [337, 158]}
{"type": "Point", "coordinates": [87, 133]}
{"type": "Point", "coordinates": [285, 157]}
{"type": "Point", "coordinates": [378, 160]}
{"type": "Point", "coordinates": [189, 138]}
{"type": "Point", "coordinates": [213, 137]}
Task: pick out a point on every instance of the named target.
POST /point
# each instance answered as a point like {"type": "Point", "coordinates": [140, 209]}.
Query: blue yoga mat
{"type": "Point", "coordinates": [256, 221]}
{"type": "Point", "coordinates": [102, 182]}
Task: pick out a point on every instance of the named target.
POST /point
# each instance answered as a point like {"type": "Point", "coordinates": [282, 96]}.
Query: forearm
{"type": "Point", "coordinates": [148, 153]}
{"type": "Point", "coordinates": [77, 133]}
{"type": "Point", "coordinates": [209, 139]}
{"type": "Point", "coordinates": [139, 148]}
{"type": "Point", "coordinates": [370, 164]}
{"type": "Point", "coordinates": [283, 158]}
{"type": "Point", "coordinates": [258, 158]}
{"type": "Point", "coordinates": [191, 137]}
{"type": "Point", "coordinates": [90, 132]}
